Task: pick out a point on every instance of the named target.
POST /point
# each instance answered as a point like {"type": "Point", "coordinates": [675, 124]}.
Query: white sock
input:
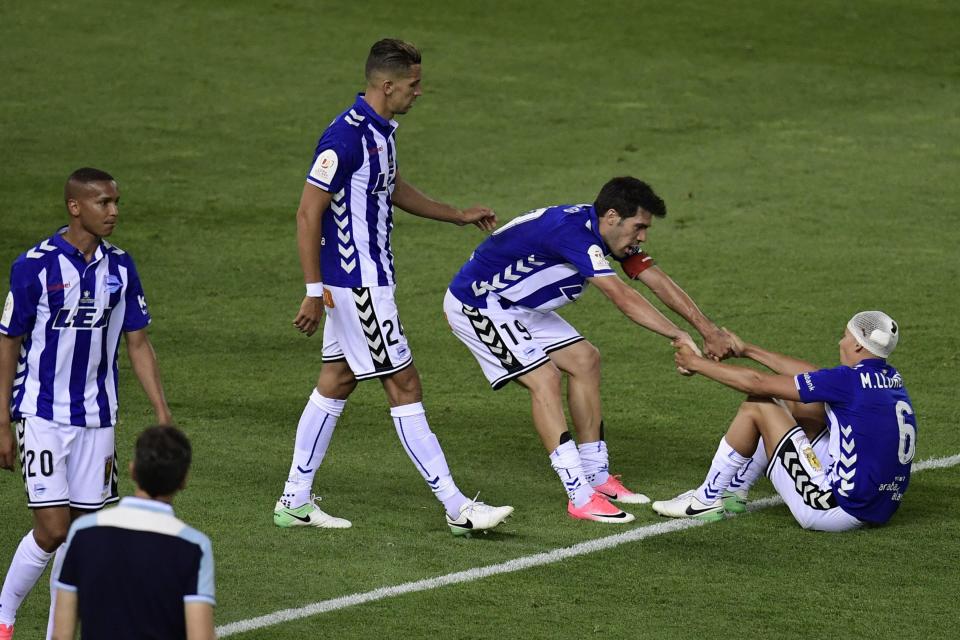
{"type": "Point", "coordinates": [27, 565]}
{"type": "Point", "coordinates": [595, 461]}
{"type": "Point", "coordinates": [726, 462]}
{"type": "Point", "coordinates": [565, 460]}
{"type": "Point", "coordinates": [749, 473]}
{"type": "Point", "coordinates": [314, 431]}
{"type": "Point", "coordinates": [58, 556]}
{"type": "Point", "coordinates": [424, 450]}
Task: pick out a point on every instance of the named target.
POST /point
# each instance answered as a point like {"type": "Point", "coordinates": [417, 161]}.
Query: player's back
{"type": "Point", "coordinates": [539, 260]}
{"type": "Point", "coordinates": [873, 441]}
{"type": "Point", "coordinates": [134, 567]}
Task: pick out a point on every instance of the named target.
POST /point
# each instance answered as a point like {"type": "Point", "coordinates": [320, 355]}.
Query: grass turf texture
{"type": "Point", "coordinates": [808, 156]}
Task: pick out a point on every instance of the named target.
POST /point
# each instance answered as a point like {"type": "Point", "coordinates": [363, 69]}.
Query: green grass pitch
{"type": "Point", "coordinates": [809, 154]}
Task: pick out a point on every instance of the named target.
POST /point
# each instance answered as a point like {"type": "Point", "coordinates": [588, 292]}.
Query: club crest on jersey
{"type": "Point", "coordinates": [7, 310]}
{"type": "Point", "coordinates": [112, 283]}
{"type": "Point", "coordinates": [85, 316]}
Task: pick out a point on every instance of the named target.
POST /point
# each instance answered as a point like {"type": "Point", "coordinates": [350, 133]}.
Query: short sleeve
{"type": "Point", "coordinates": [334, 161]}
{"type": "Point", "coordinates": [582, 249]}
{"type": "Point", "coordinates": [825, 385]}
{"type": "Point", "coordinates": [136, 315]}
{"type": "Point", "coordinates": [20, 305]}
{"type": "Point", "coordinates": [203, 589]}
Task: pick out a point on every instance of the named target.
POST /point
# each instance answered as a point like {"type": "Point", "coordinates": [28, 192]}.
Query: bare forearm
{"type": "Point", "coordinates": [672, 295]}
{"type": "Point", "coordinates": [144, 362]}
{"type": "Point", "coordinates": [414, 201]}
{"type": "Point", "coordinates": [778, 362]}
{"type": "Point", "coordinates": [65, 615]}
{"type": "Point", "coordinates": [747, 380]}
{"type": "Point", "coordinates": [309, 231]}
{"type": "Point", "coordinates": [199, 621]}
{"type": "Point", "coordinates": [639, 309]}
{"type": "Point", "coordinates": [9, 353]}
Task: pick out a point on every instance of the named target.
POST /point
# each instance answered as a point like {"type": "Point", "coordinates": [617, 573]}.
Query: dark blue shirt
{"type": "Point", "coordinates": [873, 435]}
{"type": "Point", "coordinates": [133, 568]}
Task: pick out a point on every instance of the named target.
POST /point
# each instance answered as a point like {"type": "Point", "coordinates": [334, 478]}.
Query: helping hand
{"type": "Point", "coordinates": [720, 345]}
{"type": "Point", "coordinates": [684, 343]}
{"type": "Point", "coordinates": [483, 217]}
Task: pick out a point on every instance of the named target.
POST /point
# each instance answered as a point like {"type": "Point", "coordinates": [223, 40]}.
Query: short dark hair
{"type": "Point", "coordinates": [84, 175]}
{"type": "Point", "coordinates": [392, 56]}
{"type": "Point", "coordinates": [161, 460]}
{"type": "Point", "coordinates": [627, 194]}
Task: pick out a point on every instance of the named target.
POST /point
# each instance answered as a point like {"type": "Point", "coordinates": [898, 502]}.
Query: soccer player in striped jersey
{"type": "Point", "coordinates": [343, 232]}
{"type": "Point", "coordinates": [71, 298]}
{"type": "Point", "coordinates": [501, 304]}
{"type": "Point", "coordinates": [856, 471]}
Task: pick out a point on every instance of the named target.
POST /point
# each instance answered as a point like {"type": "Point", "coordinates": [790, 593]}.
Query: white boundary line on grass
{"type": "Point", "coordinates": [518, 564]}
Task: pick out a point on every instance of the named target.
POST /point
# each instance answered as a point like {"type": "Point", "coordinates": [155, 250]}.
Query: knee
{"type": "Point", "coordinates": [336, 382]}
{"type": "Point", "coordinates": [403, 387]}
{"type": "Point", "coordinates": [589, 361]}
{"type": "Point", "coordinates": [49, 537]}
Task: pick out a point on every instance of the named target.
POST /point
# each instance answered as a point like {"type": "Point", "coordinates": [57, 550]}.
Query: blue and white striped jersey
{"type": "Point", "coordinates": [540, 260]}
{"type": "Point", "coordinates": [356, 161]}
{"type": "Point", "coordinates": [873, 435]}
{"type": "Point", "coordinates": [71, 314]}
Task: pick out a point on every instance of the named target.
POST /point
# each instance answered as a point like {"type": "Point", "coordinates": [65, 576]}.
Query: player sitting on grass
{"type": "Point", "coordinates": [860, 478]}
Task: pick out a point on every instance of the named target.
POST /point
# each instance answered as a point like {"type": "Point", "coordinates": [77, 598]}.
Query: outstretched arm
{"type": "Point", "coordinates": [414, 201]}
{"type": "Point", "coordinates": [778, 362]}
{"type": "Point", "coordinates": [639, 309]}
{"type": "Point", "coordinates": [740, 378]}
{"type": "Point", "coordinates": [9, 352]}
{"type": "Point", "coordinates": [144, 361]}
{"type": "Point", "coordinates": [717, 343]}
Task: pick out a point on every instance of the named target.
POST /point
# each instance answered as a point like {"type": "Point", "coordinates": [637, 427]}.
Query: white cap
{"type": "Point", "coordinates": [875, 331]}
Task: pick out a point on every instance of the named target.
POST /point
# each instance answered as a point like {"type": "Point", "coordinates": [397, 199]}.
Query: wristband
{"type": "Point", "coordinates": [314, 289]}
{"type": "Point", "coordinates": [636, 264]}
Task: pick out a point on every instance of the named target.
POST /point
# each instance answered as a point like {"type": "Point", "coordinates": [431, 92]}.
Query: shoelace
{"type": "Point", "coordinates": [475, 503]}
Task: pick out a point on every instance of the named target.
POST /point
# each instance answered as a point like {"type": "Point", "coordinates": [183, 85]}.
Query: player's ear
{"type": "Point", "coordinates": [183, 485]}
{"type": "Point", "coordinates": [73, 207]}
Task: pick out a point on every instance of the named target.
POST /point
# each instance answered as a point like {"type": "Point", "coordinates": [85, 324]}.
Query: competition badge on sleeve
{"type": "Point", "coordinates": [7, 311]}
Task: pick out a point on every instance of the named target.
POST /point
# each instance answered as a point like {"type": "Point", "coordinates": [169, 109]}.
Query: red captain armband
{"type": "Point", "coordinates": [636, 264]}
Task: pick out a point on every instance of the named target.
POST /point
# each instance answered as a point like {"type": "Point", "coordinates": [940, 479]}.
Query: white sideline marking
{"type": "Point", "coordinates": [518, 564]}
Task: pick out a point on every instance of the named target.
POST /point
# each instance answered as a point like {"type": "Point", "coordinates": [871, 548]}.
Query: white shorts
{"type": "Point", "coordinates": [64, 465]}
{"type": "Point", "coordinates": [363, 328]}
{"type": "Point", "coordinates": [798, 471]}
{"type": "Point", "coordinates": [508, 342]}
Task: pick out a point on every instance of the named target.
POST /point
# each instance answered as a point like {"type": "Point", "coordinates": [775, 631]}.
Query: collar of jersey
{"type": "Point", "coordinates": [873, 362]}
{"type": "Point", "coordinates": [149, 505]}
{"type": "Point", "coordinates": [368, 111]}
{"type": "Point", "coordinates": [61, 243]}
{"type": "Point", "coordinates": [595, 228]}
